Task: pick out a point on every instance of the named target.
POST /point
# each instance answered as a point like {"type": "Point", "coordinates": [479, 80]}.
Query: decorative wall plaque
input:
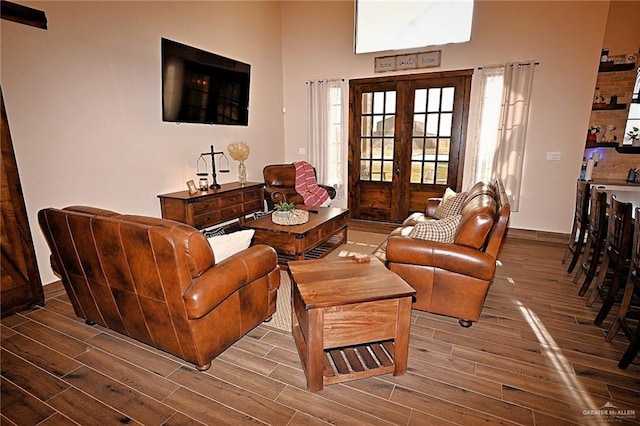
{"type": "Point", "coordinates": [429, 59]}
{"type": "Point", "coordinates": [408, 61]}
{"type": "Point", "coordinates": [385, 63]}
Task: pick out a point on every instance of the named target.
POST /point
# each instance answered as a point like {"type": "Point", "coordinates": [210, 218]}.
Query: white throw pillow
{"type": "Point", "coordinates": [227, 245]}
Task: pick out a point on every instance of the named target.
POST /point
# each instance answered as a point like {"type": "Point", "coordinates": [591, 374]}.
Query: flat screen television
{"type": "Point", "coordinates": [202, 87]}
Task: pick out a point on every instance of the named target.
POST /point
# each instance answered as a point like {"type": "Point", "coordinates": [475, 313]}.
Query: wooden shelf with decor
{"type": "Point", "coordinates": [601, 145]}
{"type": "Point", "coordinates": [607, 107]}
{"type": "Point", "coordinates": [622, 149]}
{"type": "Point", "coordinates": [628, 149]}
{"type": "Point", "coordinates": [611, 67]}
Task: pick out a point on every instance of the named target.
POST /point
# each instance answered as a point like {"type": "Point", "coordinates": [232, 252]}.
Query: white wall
{"type": "Point", "coordinates": [565, 37]}
{"type": "Point", "coordinates": [83, 100]}
{"type": "Point", "coordinates": [83, 97]}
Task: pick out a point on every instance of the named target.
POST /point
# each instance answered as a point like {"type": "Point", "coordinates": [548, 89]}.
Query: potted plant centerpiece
{"type": "Point", "coordinates": [284, 209]}
{"type": "Point", "coordinates": [285, 213]}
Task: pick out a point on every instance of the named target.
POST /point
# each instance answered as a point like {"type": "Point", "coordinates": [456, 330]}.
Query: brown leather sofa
{"type": "Point", "coordinates": [280, 185]}
{"type": "Point", "coordinates": [452, 278]}
{"type": "Point", "coordinates": [157, 281]}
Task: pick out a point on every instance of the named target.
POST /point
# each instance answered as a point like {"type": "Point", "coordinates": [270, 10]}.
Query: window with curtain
{"type": "Point", "coordinates": [504, 96]}
{"type": "Point", "coordinates": [327, 132]}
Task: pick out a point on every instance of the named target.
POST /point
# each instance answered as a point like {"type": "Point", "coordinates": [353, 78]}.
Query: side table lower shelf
{"type": "Point", "coordinates": [351, 362]}
{"type": "Point", "coordinates": [357, 362]}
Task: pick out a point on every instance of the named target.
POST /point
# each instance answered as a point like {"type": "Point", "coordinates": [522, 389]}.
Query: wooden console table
{"type": "Point", "coordinates": [350, 320]}
{"type": "Point", "coordinates": [208, 208]}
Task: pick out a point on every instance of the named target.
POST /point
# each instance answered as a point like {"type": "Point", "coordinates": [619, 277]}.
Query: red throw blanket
{"type": "Point", "coordinates": [307, 186]}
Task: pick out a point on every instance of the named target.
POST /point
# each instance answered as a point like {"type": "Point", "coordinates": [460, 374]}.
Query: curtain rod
{"type": "Point", "coordinates": [519, 64]}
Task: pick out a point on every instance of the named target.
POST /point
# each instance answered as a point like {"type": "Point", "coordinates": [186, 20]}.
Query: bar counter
{"type": "Point", "coordinates": [623, 190]}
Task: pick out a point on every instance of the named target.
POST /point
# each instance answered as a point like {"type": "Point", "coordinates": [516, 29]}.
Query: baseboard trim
{"type": "Point", "coordinates": [533, 235]}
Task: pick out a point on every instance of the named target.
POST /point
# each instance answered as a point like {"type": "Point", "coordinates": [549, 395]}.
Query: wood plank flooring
{"type": "Point", "coordinates": [533, 358]}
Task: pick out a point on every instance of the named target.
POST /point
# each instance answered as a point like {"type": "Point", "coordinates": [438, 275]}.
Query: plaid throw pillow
{"type": "Point", "coordinates": [451, 205]}
{"type": "Point", "coordinates": [441, 231]}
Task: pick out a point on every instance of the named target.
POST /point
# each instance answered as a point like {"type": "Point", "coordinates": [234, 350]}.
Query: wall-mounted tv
{"type": "Point", "coordinates": [202, 87]}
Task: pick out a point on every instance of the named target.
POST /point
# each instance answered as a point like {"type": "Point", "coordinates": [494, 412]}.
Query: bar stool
{"type": "Point", "coordinates": [630, 305]}
{"type": "Point", "coordinates": [616, 259]}
{"type": "Point", "coordinates": [580, 225]}
{"type": "Point", "coordinates": [596, 234]}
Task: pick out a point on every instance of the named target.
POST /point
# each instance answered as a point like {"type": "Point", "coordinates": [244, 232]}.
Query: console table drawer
{"type": "Point", "coordinates": [206, 206]}
{"type": "Point", "coordinates": [231, 200]}
{"type": "Point", "coordinates": [204, 220]}
{"type": "Point", "coordinates": [231, 212]}
{"type": "Point", "coordinates": [253, 206]}
{"type": "Point", "coordinates": [252, 195]}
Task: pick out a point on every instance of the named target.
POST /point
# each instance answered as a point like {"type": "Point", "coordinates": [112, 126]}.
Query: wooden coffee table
{"type": "Point", "coordinates": [325, 230]}
{"type": "Point", "coordinates": [349, 320]}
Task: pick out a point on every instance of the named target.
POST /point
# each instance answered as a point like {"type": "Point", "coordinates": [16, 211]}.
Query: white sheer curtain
{"type": "Point", "coordinates": [327, 131]}
{"type": "Point", "coordinates": [501, 126]}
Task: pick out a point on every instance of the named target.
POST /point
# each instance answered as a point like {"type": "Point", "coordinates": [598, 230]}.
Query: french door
{"type": "Point", "coordinates": [406, 141]}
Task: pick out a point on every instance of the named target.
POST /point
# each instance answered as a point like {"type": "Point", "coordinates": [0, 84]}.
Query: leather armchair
{"type": "Point", "coordinates": [452, 279]}
{"type": "Point", "coordinates": [280, 185]}
{"type": "Point", "coordinates": [157, 281]}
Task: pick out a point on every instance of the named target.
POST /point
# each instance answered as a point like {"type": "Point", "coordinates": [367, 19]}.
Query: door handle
{"type": "Point", "coordinates": [398, 172]}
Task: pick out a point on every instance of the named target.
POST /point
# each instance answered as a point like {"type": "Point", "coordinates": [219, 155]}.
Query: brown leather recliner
{"type": "Point", "coordinates": [157, 281]}
{"type": "Point", "coordinates": [280, 185]}
{"type": "Point", "coordinates": [452, 279]}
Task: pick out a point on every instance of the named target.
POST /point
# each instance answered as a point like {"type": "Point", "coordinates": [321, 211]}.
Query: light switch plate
{"type": "Point", "coordinates": [553, 156]}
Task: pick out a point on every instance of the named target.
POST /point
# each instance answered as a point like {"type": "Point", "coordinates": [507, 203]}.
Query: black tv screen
{"type": "Point", "coordinates": [202, 87]}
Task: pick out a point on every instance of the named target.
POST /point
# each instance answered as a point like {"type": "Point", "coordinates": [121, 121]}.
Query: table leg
{"type": "Point", "coordinates": [403, 323]}
{"type": "Point", "coordinates": [315, 350]}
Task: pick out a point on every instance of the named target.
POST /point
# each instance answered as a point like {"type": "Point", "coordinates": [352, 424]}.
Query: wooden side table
{"type": "Point", "coordinates": [349, 320]}
{"type": "Point", "coordinates": [208, 208]}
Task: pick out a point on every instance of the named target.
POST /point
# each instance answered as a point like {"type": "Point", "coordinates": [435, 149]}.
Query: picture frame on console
{"type": "Point", "coordinates": [192, 187]}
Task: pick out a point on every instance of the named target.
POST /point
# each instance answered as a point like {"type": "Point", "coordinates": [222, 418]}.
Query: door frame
{"type": "Point", "coordinates": [404, 131]}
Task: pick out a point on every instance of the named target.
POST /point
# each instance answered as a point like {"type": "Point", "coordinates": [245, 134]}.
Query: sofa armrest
{"type": "Point", "coordinates": [226, 277]}
{"type": "Point", "coordinates": [276, 195]}
{"type": "Point", "coordinates": [451, 257]}
{"type": "Point", "coordinates": [430, 207]}
{"type": "Point", "coordinates": [330, 190]}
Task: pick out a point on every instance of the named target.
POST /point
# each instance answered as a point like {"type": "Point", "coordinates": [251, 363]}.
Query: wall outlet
{"type": "Point", "coordinates": [302, 151]}
{"type": "Point", "coordinates": [553, 156]}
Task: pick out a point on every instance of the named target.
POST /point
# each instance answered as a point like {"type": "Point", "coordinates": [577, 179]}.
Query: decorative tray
{"type": "Point", "coordinates": [295, 217]}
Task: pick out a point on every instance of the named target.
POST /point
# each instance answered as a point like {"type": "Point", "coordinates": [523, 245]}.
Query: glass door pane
{"type": "Point", "coordinates": [377, 136]}
{"type": "Point", "coordinates": [431, 136]}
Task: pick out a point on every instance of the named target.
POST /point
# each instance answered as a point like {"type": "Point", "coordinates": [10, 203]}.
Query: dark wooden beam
{"type": "Point", "coordinates": [23, 14]}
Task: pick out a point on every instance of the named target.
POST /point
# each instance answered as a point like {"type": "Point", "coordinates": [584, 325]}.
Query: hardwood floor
{"type": "Point", "coordinates": [533, 358]}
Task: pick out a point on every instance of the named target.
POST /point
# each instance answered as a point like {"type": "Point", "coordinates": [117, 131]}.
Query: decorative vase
{"type": "Point", "coordinates": [242, 173]}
